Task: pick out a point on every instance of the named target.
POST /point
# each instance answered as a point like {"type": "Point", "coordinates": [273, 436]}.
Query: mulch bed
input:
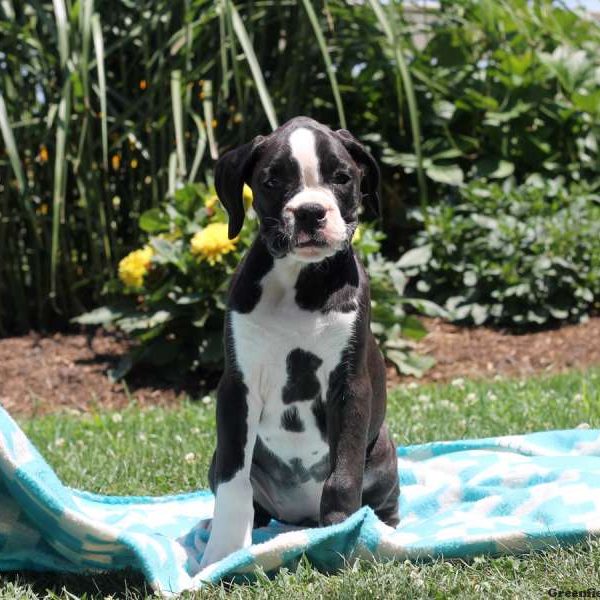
{"type": "Point", "coordinates": [482, 352]}
{"type": "Point", "coordinates": [68, 371]}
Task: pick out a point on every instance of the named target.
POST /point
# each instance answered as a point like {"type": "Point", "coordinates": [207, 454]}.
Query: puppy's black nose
{"type": "Point", "coordinates": [310, 216]}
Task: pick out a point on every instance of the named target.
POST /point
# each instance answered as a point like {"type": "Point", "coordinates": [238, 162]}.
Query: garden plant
{"type": "Point", "coordinates": [105, 113]}
{"type": "Point", "coordinates": [484, 117]}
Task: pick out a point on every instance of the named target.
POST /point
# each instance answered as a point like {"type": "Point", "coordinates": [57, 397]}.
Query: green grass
{"type": "Point", "coordinates": [156, 451]}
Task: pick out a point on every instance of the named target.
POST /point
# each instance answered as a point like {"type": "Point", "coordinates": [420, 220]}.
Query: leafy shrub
{"type": "Point", "coordinates": [140, 97]}
{"type": "Point", "coordinates": [170, 294]}
{"type": "Point", "coordinates": [515, 256]}
{"type": "Point", "coordinates": [504, 89]}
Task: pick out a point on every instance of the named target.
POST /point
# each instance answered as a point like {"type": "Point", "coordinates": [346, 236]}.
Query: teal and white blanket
{"type": "Point", "coordinates": [498, 495]}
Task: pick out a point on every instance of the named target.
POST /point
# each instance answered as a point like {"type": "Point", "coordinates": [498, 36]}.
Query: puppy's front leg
{"type": "Point", "coordinates": [238, 413]}
{"type": "Point", "coordinates": [347, 429]}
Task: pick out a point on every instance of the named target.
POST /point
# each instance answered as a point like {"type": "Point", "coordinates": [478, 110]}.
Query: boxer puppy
{"type": "Point", "coordinates": [300, 407]}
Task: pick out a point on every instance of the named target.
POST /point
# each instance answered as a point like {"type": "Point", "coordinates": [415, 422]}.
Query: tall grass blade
{"type": "Point", "coordinates": [15, 162]}
{"type": "Point", "coordinates": [177, 105]}
{"type": "Point", "coordinates": [413, 111]}
{"type": "Point", "coordinates": [261, 86]}
{"type": "Point", "coordinates": [60, 183]}
{"type": "Point", "coordinates": [85, 30]}
{"type": "Point", "coordinates": [314, 21]}
{"type": "Point", "coordinates": [85, 27]}
{"type": "Point", "coordinates": [223, 49]}
{"type": "Point", "coordinates": [172, 174]}
{"type": "Point", "coordinates": [200, 147]}
{"type": "Point", "coordinates": [207, 107]}
{"type": "Point", "coordinates": [99, 50]}
{"type": "Point", "coordinates": [8, 9]}
{"type": "Point", "coordinates": [62, 30]}
{"type": "Point", "coordinates": [11, 147]}
{"type": "Point", "coordinates": [60, 158]}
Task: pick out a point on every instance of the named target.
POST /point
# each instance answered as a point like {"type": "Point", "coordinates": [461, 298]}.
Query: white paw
{"type": "Point", "coordinates": [217, 550]}
{"type": "Point", "coordinates": [231, 526]}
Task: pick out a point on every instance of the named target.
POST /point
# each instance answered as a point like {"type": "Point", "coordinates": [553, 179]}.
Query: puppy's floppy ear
{"type": "Point", "coordinates": [232, 170]}
{"type": "Point", "coordinates": [370, 182]}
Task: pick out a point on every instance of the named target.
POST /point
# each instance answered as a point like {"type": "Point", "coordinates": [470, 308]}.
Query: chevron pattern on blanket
{"type": "Point", "coordinates": [499, 495]}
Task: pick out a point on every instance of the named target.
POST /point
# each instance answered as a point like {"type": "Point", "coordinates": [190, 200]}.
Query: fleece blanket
{"type": "Point", "coordinates": [508, 494]}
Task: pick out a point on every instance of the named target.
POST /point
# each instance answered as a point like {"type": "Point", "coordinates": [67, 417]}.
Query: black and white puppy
{"type": "Point", "coordinates": [301, 404]}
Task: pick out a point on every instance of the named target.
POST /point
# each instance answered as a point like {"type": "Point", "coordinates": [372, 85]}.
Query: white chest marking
{"type": "Point", "coordinates": [302, 142]}
{"type": "Point", "coordinates": [264, 339]}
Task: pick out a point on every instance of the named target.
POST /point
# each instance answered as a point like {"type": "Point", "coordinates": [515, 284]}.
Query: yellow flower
{"type": "Point", "coordinates": [248, 197]}
{"type": "Point", "coordinates": [212, 242]}
{"type": "Point", "coordinates": [43, 155]}
{"type": "Point", "coordinates": [357, 235]}
{"type": "Point", "coordinates": [134, 266]}
{"type": "Point", "coordinates": [211, 201]}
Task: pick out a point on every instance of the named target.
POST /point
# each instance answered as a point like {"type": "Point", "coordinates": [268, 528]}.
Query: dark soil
{"type": "Point", "coordinates": [69, 371]}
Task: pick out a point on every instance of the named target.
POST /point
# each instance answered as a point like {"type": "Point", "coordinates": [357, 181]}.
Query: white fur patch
{"type": "Point", "coordinates": [231, 527]}
{"type": "Point", "coordinates": [302, 143]}
{"type": "Point", "coordinates": [303, 147]}
{"type": "Point", "coordinates": [263, 340]}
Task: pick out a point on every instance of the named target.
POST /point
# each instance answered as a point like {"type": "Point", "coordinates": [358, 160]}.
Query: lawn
{"type": "Point", "coordinates": [157, 451]}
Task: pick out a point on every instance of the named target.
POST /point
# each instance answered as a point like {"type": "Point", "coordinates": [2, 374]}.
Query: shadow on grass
{"type": "Point", "coordinates": [126, 585]}
{"type": "Point", "coordinates": [115, 357]}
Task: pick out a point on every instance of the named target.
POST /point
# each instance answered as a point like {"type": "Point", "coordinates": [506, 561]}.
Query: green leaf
{"type": "Point", "coordinates": [416, 257]}
{"type": "Point", "coordinates": [480, 313]}
{"type": "Point", "coordinates": [144, 321]}
{"type": "Point", "coordinates": [469, 278]}
{"type": "Point", "coordinates": [410, 363]}
{"type": "Point", "coordinates": [498, 118]}
{"type": "Point", "coordinates": [154, 221]}
{"type": "Point", "coordinates": [444, 109]}
{"type": "Point", "coordinates": [167, 252]}
{"type": "Point", "coordinates": [190, 298]}
{"type": "Point", "coordinates": [426, 307]}
{"type": "Point", "coordinates": [125, 365]}
{"type": "Point", "coordinates": [449, 174]}
{"type": "Point", "coordinates": [588, 102]}
{"type": "Point", "coordinates": [99, 316]}
{"type": "Point", "coordinates": [494, 168]}
{"type": "Point", "coordinates": [412, 328]}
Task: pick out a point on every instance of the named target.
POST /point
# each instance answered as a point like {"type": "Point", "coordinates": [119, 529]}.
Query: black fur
{"type": "Point", "coordinates": [291, 421]}
{"type": "Point", "coordinates": [320, 414]}
{"type": "Point", "coordinates": [302, 383]}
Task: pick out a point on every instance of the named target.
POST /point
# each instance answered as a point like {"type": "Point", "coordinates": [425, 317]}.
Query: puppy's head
{"type": "Point", "coordinates": [307, 182]}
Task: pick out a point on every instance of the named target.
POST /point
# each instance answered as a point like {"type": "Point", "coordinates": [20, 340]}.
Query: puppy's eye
{"type": "Point", "coordinates": [272, 183]}
{"type": "Point", "coordinates": [340, 178]}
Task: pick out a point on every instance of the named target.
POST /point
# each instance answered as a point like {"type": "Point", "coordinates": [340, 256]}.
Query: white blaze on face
{"type": "Point", "coordinates": [303, 147]}
{"type": "Point", "coordinates": [302, 142]}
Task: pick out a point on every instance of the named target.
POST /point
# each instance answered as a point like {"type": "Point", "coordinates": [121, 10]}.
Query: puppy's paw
{"type": "Point", "coordinates": [218, 549]}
